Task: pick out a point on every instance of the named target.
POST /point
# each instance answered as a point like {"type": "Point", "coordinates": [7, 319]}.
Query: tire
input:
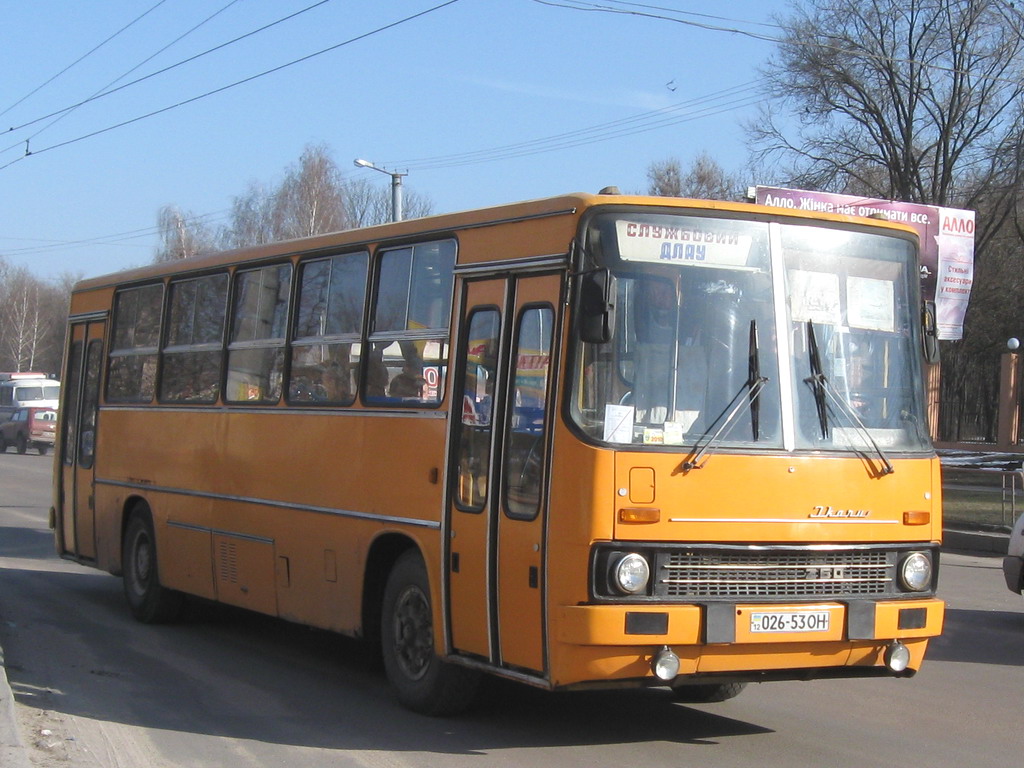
{"type": "Point", "coordinates": [3, 445]}
{"type": "Point", "coordinates": [424, 682]}
{"type": "Point", "coordinates": [43, 448]}
{"type": "Point", "coordinates": [707, 694]}
{"type": "Point", "coordinates": [21, 444]}
{"type": "Point", "coordinates": [149, 602]}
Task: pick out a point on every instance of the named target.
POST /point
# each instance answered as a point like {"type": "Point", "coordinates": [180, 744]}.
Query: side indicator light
{"type": "Point", "coordinates": [639, 515]}
{"type": "Point", "coordinates": [917, 517]}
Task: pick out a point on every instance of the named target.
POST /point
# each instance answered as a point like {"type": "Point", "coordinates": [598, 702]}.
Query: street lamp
{"type": "Point", "coordinates": [396, 186]}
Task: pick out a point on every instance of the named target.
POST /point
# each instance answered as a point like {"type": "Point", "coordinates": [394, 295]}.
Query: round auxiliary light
{"type": "Point", "coordinates": [897, 656]}
{"type": "Point", "coordinates": [916, 572]}
{"type": "Point", "coordinates": [665, 664]}
{"type": "Point", "coordinates": [631, 573]}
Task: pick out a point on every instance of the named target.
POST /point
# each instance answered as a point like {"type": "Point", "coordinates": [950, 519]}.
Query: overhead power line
{"type": "Point", "coordinates": [726, 100]}
{"type": "Point", "coordinates": [235, 84]}
{"type": "Point", "coordinates": [82, 58]}
{"type": "Point", "coordinates": [109, 91]}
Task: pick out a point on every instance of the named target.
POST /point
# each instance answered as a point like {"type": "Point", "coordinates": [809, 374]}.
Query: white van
{"type": "Point", "coordinates": [22, 391]}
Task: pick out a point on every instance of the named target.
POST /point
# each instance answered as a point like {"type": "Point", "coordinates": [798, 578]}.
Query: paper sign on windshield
{"type": "Point", "coordinates": [698, 243]}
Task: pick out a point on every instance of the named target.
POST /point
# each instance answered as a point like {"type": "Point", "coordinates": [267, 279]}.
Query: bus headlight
{"type": "Point", "coordinates": [916, 572]}
{"type": "Point", "coordinates": [630, 574]}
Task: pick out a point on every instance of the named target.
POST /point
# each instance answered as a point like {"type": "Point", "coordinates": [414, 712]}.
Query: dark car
{"type": "Point", "coordinates": [29, 428]}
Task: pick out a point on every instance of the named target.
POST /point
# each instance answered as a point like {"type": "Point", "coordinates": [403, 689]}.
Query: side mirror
{"type": "Point", "coordinates": [930, 332]}
{"type": "Point", "coordinates": [597, 312]}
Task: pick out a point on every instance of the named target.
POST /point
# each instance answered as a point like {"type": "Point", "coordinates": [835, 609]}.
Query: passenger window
{"type": "Point", "coordinates": [528, 405]}
{"type": "Point", "coordinates": [192, 358]}
{"type": "Point", "coordinates": [133, 357]}
{"type": "Point", "coordinates": [325, 346]}
{"type": "Point", "coordinates": [409, 338]}
{"type": "Point", "coordinates": [256, 350]}
{"type": "Point", "coordinates": [477, 406]}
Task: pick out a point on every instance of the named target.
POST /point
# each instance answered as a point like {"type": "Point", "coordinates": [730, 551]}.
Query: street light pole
{"type": "Point", "coordinates": [396, 186]}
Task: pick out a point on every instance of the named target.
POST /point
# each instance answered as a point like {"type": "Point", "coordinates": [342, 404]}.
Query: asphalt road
{"type": "Point", "coordinates": [225, 688]}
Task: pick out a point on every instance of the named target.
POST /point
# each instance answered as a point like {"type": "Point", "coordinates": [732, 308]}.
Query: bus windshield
{"type": "Point", "coordinates": [751, 334]}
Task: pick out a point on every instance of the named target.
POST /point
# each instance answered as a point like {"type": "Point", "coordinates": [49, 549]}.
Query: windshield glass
{"type": "Point", "coordinates": [703, 316]}
{"type": "Point", "coordinates": [693, 317]}
{"type": "Point", "coordinates": [856, 293]}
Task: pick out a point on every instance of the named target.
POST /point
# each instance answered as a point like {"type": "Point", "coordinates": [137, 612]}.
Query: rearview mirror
{"type": "Point", "coordinates": [597, 312]}
{"type": "Point", "coordinates": [930, 332]}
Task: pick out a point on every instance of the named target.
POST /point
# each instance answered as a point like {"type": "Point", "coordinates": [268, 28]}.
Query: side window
{"type": "Point", "coordinates": [71, 381]}
{"type": "Point", "coordinates": [528, 403]}
{"type": "Point", "coordinates": [90, 404]}
{"type": "Point", "coordinates": [256, 349]}
{"type": "Point", "coordinates": [192, 356]}
{"type": "Point", "coordinates": [474, 438]}
{"type": "Point", "coordinates": [133, 356]}
{"type": "Point", "coordinates": [409, 336]}
{"type": "Point", "coordinates": [325, 346]}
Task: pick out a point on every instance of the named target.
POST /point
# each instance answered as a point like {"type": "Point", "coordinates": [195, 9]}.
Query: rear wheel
{"type": "Point", "coordinates": [707, 694]}
{"type": "Point", "coordinates": [43, 448]}
{"type": "Point", "coordinates": [21, 443]}
{"type": "Point", "coordinates": [149, 602]}
{"type": "Point", "coordinates": [424, 682]}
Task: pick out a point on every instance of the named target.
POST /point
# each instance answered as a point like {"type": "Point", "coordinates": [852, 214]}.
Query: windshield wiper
{"type": "Point", "coordinates": [824, 393]}
{"type": "Point", "coordinates": [737, 406]}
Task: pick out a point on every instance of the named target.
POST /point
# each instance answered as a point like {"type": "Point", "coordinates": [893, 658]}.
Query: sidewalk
{"type": "Point", "coordinates": [12, 749]}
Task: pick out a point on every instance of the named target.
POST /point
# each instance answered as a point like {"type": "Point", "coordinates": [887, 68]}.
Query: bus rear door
{"type": "Point", "coordinates": [498, 459]}
{"type": "Point", "coordinates": [80, 409]}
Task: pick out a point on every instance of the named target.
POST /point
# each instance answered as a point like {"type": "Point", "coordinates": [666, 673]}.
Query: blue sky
{"type": "Point", "coordinates": [602, 94]}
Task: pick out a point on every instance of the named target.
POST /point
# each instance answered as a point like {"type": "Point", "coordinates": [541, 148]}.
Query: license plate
{"type": "Point", "coordinates": [789, 621]}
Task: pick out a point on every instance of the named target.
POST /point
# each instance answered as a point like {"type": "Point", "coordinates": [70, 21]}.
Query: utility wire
{"type": "Point", "coordinates": [243, 81]}
{"type": "Point", "coordinates": [190, 59]}
{"type": "Point", "coordinates": [727, 100]}
{"type": "Point", "coordinates": [64, 113]}
{"type": "Point", "coordinates": [81, 58]}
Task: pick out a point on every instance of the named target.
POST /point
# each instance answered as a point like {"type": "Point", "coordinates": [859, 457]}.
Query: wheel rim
{"type": "Point", "coordinates": [142, 563]}
{"type": "Point", "coordinates": [413, 633]}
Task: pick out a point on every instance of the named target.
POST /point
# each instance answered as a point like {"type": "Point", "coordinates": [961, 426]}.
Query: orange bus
{"type": "Point", "coordinates": [592, 440]}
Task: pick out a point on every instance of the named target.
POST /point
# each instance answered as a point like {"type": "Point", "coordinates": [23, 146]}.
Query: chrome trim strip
{"type": "Point", "coordinates": [532, 264]}
{"type": "Point", "coordinates": [431, 524]}
{"type": "Point", "coordinates": [290, 410]}
{"type": "Point", "coordinates": [84, 317]}
{"type": "Point", "coordinates": [788, 520]}
{"type": "Point", "coordinates": [219, 532]}
{"type": "Point", "coordinates": [783, 352]}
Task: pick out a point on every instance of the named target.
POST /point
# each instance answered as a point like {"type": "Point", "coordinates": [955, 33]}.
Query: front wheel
{"type": "Point", "coordinates": [149, 602]}
{"type": "Point", "coordinates": [424, 682]}
{"type": "Point", "coordinates": [707, 694]}
{"type": "Point", "coordinates": [21, 444]}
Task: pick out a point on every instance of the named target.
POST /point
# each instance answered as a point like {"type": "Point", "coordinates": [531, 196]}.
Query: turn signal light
{"type": "Point", "coordinates": [639, 515]}
{"type": "Point", "coordinates": [917, 517]}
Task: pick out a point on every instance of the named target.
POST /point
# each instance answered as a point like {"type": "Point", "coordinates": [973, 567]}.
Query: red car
{"type": "Point", "coordinates": [29, 427]}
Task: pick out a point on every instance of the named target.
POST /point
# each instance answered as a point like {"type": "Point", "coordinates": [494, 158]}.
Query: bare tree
{"type": "Point", "coordinates": [32, 319]}
{"type": "Point", "coordinates": [182, 235]}
{"type": "Point", "coordinates": [705, 179]}
{"type": "Point", "coordinates": [311, 199]}
{"type": "Point", "coordinates": [916, 100]}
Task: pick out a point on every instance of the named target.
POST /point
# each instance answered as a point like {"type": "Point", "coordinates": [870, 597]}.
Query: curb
{"type": "Point", "coordinates": [12, 749]}
{"type": "Point", "coordinates": [979, 542]}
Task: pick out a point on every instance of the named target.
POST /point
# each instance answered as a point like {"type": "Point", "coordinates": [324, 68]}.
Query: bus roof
{"type": "Point", "coordinates": [449, 223]}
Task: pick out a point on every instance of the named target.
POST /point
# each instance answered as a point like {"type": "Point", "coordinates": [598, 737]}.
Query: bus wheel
{"type": "Point", "coordinates": [149, 602]}
{"type": "Point", "coordinates": [424, 682]}
{"type": "Point", "coordinates": [707, 694]}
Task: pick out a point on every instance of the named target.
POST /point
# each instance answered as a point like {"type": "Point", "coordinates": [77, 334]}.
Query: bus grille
{"type": "Point", "coordinates": [711, 575]}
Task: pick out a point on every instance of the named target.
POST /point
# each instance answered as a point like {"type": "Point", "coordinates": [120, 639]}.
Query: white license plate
{"type": "Point", "coordinates": [789, 621]}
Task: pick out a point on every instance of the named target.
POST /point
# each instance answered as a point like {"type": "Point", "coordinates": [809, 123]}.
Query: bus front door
{"type": "Point", "coordinates": [79, 410]}
{"type": "Point", "coordinates": [498, 470]}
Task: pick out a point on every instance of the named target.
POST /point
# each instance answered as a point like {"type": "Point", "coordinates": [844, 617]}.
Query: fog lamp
{"type": "Point", "coordinates": [665, 664]}
{"type": "Point", "coordinates": [897, 656]}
